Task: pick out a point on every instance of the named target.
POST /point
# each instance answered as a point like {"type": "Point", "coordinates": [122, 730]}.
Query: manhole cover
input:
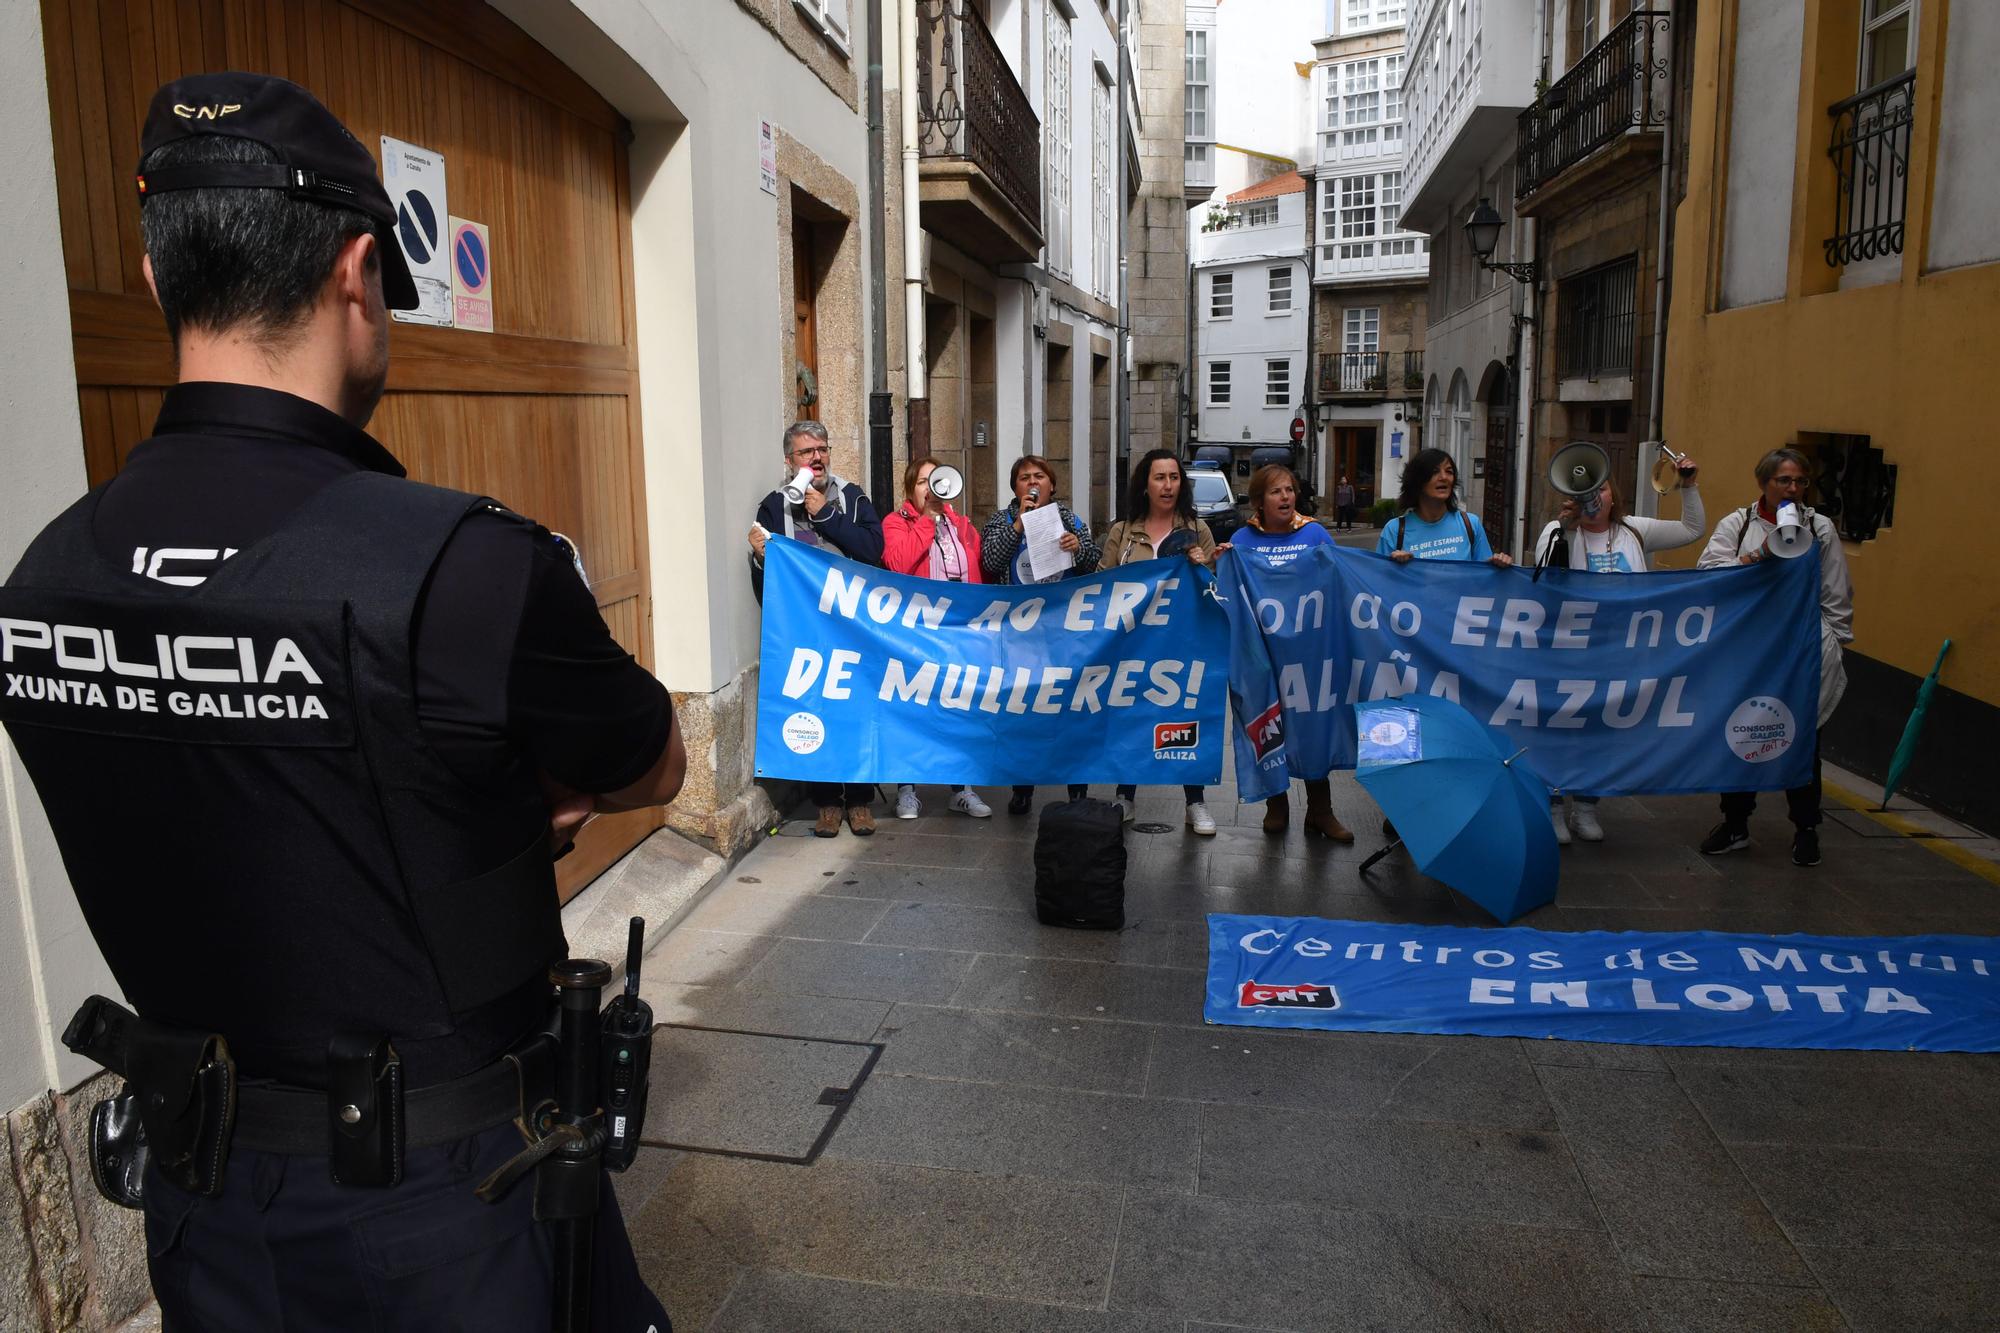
{"type": "Point", "coordinates": [751, 1094]}
{"type": "Point", "coordinates": [1152, 828]}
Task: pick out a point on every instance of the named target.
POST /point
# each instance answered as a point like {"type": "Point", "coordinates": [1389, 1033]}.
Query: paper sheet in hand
{"type": "Point", "coordinates": [1043, 530]}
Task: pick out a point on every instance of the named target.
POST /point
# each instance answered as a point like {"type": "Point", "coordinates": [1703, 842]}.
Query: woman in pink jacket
{"type": "Point", "coordinates": [926, 537]}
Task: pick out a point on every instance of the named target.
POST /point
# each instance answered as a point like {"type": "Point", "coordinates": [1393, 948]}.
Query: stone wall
{"type": "Point", "coordinates": [69, 1260]}
{"type": "Point", "coordinates": [1156, 232]}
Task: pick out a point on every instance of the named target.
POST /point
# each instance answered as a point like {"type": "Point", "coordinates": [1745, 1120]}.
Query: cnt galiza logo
{"type": "Point", "coordinates": [1260, 995]}
{"type": "Point", "coordinates": [1267, 732]}
{"type": "Point", "coordinates": [1176, 740]}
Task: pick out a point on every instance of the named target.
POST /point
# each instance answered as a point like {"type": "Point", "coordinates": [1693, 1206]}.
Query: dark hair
{"type": "Point", "coordinates": [910, 471]}
{"type": "Point", "coordinates": [1137, 506]}
{"type": "Point", "coordinates": [230, 258]}
{"type": "Point", "coordinates": [1014, 472]}
{"type": "Point", "coordinates": [1417, 474]}
{"type": "Point", "coordinates": [1263, 479]}
{"type": "Point", "coordinates": [1768, 465]}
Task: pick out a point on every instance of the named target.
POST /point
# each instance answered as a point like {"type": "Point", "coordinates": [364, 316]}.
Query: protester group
{"type": "Point", "coordinates": [924, 536]}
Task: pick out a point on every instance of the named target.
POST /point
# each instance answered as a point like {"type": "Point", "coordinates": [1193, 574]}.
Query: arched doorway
{"type": "Point", "coordinates": [1496, 400]}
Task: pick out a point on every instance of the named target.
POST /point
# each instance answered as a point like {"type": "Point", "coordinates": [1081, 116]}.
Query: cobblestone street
{"type": "Point", "coordinates": [1050, 1139]}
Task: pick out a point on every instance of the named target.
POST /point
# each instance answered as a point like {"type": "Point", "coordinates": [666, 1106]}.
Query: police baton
{"type": "Point", "coordinates": [568, 1181]}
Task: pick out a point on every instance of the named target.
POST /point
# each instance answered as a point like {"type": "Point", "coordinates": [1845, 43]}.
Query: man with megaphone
{"type": "Point", "coordinates": [820, 509]}
{"type": "Point", "coordinates": [1781, 525]}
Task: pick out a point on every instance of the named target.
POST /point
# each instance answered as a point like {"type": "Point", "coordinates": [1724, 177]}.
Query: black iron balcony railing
{"type": "Point", "coordinates": [969, 105]}
{"type": "Point", "coordinates": [1370, 372]}
{"type": "Point", "coordinates": [1871, 159]}
{"type": "Point", "coordinates": [1619, 87]}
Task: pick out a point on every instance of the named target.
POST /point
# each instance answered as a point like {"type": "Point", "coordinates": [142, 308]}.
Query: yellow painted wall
{"type": "Point", "coordinates": [1910, 363]}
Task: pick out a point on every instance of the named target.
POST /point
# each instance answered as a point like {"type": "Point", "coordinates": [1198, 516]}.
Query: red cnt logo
{"type": "Point", "coordinates": [1176, 735]}
{"type": "Point", "coordinates": [1258, 995]}
{"type": "Point", "coordinates": [1267, 732]}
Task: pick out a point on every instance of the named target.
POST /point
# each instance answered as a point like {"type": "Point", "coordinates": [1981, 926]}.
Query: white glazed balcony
{"type": "Point", "coordinates": [1468, 80]}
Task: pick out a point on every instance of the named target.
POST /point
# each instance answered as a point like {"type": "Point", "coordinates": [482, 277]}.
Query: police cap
{"type": "Point", "coordinates": [317, 158]}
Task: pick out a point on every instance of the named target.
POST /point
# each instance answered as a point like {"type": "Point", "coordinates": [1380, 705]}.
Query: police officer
{"type": "Point", "coordinates": [305, 731]}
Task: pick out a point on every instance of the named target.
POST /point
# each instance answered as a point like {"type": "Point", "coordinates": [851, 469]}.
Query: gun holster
{"type": "Point", "coordinates": [180, 1083]}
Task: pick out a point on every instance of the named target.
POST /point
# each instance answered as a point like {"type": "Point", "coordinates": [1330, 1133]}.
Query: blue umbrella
{"type": "Point", "coordinates": [1470, 815]}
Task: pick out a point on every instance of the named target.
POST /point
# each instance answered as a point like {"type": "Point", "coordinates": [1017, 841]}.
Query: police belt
{"type": "Point", "coordinates": [183, 1108]}
{"type": "Point", "coordinates": [287, 1120]}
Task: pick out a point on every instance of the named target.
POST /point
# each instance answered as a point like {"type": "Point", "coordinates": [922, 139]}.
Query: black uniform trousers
{"type": "Point", "coordinates": [283, 1247]}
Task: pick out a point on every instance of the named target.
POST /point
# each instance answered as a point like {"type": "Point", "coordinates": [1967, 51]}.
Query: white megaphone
{"type": "Point", "coordinates": [1578, 470]}
{"type": "Point", "coordinates": [796, 488]}
{"type": "Point", "coordinates": [946, 482]}
{"type": "Point", "coordinates": [1791, 538]}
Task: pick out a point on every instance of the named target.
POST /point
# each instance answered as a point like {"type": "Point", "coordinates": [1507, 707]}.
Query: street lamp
{"type": "Point", "coordinates": [1482, 233]}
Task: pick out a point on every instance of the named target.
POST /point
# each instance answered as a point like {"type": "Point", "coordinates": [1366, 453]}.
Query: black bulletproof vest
{"type": "Point", "coordinates": [261, 839]}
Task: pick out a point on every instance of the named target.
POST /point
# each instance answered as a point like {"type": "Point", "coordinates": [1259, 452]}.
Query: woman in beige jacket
{"type": "Point", "coordinates": [1161, 524]}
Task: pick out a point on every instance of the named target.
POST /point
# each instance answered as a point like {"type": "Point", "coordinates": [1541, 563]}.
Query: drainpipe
{"type": "Point", "coordinates": [913, 242]}
{"type": "Point", "coordinates": [1642, 484]}
{"type": "Point", "coordinates": [881, 431]}
{"type": "Point", "coordinates": [1121, 400]}
{"type": "Point", "coordinates": [1524, 388]}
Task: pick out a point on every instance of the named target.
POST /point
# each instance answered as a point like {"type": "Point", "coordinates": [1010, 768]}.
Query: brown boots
{"type": "Point", "coordinates": [1320, 819]}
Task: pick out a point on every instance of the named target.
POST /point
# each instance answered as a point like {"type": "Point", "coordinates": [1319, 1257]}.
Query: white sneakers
{"type": "Point", "coordinates": [907, 804]}
{"type": "Point", "coordinates": [967, 802]}
{"type": "Point", "coordinates": [1125, 810]}
{"type": "Point", "coordinates": [1199, 820]}
{"type": "Point", "coordinates": [1568, 813]}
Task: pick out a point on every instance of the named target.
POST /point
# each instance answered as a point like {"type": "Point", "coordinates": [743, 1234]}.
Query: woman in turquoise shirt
{"type": "Point", "coordinates": [1432, 526]}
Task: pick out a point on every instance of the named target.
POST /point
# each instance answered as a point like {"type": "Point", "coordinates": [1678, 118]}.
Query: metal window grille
{"type": "Point", "coordinates": [1597, 321]}
{"type": "Point", "coordinates": [1871, 161]}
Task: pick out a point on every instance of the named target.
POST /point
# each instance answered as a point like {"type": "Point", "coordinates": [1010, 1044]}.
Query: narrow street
{"type": "Point", "coordinates": [1050, 1139]}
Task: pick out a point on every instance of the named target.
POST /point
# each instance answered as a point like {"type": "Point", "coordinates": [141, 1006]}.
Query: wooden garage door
{"type": "Point", "coordinates": [543, 413]}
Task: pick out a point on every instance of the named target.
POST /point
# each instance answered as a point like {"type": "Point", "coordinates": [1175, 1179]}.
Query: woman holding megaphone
{"type": "Point", "coordinates": [928, 539]}
{"type": "Point", "coordinates": [1593, 532]}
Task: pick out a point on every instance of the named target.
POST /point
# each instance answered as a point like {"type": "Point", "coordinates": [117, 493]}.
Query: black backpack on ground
{"type": "Point", "coordinates": [1080, 866]}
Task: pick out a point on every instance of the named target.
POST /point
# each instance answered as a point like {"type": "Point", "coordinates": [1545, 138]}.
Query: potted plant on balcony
{"type": "Point", "coordinates": [1376, 382]}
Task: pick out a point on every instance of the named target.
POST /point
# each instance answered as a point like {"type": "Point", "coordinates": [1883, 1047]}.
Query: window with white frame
{"type": "Point", "coordinates": [1362, 14]}
{"type": "Point", "coordinates": [1362, 115]}
{"type": "Point", "coordinates": [1218, 384]}
{"type": "Point", "coordinates": [1361, 222]}
{"type": "Point", "coordinates": [829, 16]}
{"type": "Point", "coordinates": [1057, 145]}
{"type": "Point", "coordinates": [1221, 295]}
{"type": "Point", "coordinates": [1280, 290]}
{"type": "Point", "coordinates": [1196, 77]}
{"type": "Point", "coordinates": [1263, 214]}
{"type": "Point", "coordinates": [1278, 383]}
{"type": "Point", "coordinates": [1361, 329]}
{"type": "Point", "coordinates": [1103, 185]}
{"type": "Point", "coordinates": [1888, 40]}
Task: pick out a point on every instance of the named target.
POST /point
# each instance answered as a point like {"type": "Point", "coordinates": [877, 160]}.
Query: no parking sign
{"type": "Point", "coordinates": [414, 177]}
{"type": "Point", "coordinates": [471, 276]}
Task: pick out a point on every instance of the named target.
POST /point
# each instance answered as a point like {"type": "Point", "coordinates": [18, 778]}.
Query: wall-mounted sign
{"type": "Point", "coordinates": [767, 157]}
{"type": "Point", "coordinates": [414, 177]}
{"type": "Point", "coordinates": [471, 276]}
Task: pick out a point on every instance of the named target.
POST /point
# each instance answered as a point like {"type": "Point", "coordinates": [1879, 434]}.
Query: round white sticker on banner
{"type": "Point", "coordinates": [804, 733]}
{"type": "Point", "coordinates": [1388, 733]}
{"type": "Point", "coordinates": [1760, 729]}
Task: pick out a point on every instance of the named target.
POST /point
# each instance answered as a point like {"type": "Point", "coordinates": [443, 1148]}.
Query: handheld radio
{"type": "Point", "coordinates": [627, 1059]}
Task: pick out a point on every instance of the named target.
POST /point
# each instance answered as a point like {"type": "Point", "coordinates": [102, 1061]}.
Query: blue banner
{"type": "Point", "coordinates": [870, 676]}
{"type": "Point", "coordinates": [1687, 681]}
{"type": "Point", "coordinates": [1698, 988]}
